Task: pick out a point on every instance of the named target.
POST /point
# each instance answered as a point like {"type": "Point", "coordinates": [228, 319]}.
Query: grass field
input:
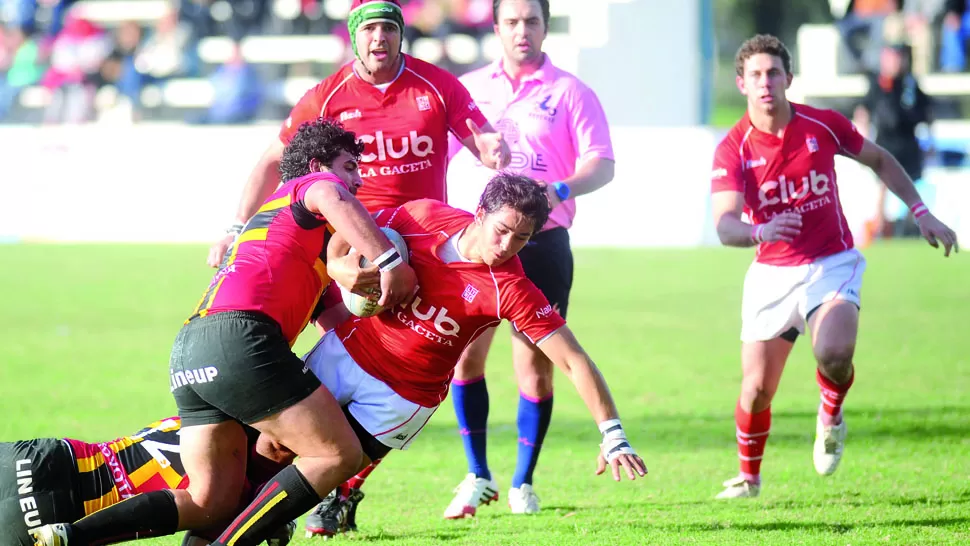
{"type": "Point", "coordinates": [86, 330]}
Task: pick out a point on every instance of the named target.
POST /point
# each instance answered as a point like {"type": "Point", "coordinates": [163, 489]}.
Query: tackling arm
{"type": "Point", "coordinates": [564, 350]}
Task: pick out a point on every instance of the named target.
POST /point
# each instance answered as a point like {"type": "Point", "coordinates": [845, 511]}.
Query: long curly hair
{"type": "Point", "coordinates": [321, 139]}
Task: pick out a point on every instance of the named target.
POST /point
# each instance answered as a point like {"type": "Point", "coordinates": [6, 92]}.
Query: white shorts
{"type": "Point", "coordinates": [390, 419]}
{"type": "Point", "coordinates": [779, 298]}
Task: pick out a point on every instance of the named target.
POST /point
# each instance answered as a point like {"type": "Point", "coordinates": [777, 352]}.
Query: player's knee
{"type": "Point", "coordinates": [219, 501]}
{"type": "Point", "coordinates": [835, 360]}
{"type": "Point", "coordinates": [536, 385]}
{"type": "Point", "coordinates": [470, 366]}
{"type": "Point", "coordinates": [347, 460]}
{"type": "Point", "coordinates": [756, 395]}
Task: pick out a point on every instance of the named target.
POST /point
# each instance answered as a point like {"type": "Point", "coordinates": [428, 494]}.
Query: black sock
{"type": "Point", "coordinates": [146, 515]}
{"type": "Point", "coordinates": [285, 497]}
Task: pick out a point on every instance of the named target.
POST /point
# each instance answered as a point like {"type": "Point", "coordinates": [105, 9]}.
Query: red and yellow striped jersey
{"type": "Point", "coordinates": [276, 265]}
{"type": "Point", "coordinates": [148, 460]}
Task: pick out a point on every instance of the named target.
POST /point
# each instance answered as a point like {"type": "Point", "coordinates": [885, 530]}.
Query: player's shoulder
{"type": "Point", "coordinates": [333, 81]}
{"type": "Point", "coordinates": [433, 74]}
{"type": "Point", "coordinates": [820, 116]}
{"type": "Point", "coordinates": [509, 273]}
{"type": "Point", "coordinates": [477, 75]}
{"type": "Point", "coordinates": [732, 140]}
{"type": "Point", "coordinates": [435, 215]}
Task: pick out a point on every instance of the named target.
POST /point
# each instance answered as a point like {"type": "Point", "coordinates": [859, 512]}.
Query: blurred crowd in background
{"type": "Point", "coordinates": [60, 62]}
{"type": "Point", "coordinates": [51, 44]}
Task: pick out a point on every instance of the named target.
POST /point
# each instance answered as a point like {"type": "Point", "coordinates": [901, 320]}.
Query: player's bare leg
{"type": "Point", "coordinates": [762, 363]}
{"type": "Point", "coordinates": [328, 454]}
{"type": "Point", "coordinates": [834, 327]}
{"type": "Point", "coordinates": [337, 512]}
{"type": "Point", "coordinates": [534, 373]}
{"type": "Point", "coordinates": [470, 396]}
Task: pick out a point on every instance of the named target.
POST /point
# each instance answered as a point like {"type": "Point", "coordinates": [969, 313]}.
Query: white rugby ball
{"type": "Point", "coordinates": [365, 307]}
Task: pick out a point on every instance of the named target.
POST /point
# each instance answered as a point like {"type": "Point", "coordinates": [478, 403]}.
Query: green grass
{"type": "Point", "coordinates": [85, 333]}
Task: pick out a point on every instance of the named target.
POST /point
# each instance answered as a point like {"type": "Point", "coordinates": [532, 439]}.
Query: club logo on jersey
{"type": "Point", "coordinates": [779, 191]}
{"type": "Point", "coordinates": [424, 104]}
{"type": "Point", "coordinates": [812, 144]}
{"type": "Point", "coordinates": [415, 144]}
{"type": "Point", "coordinates": [469, 293]}
{"type": "Point", "coordinates": [444, 326]}
{"type": "Point", "coordinates": [544, 106]}
{"type": "Point", "coordinates": [350, 114]}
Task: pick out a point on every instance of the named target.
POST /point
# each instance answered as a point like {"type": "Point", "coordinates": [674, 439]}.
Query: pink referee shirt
{"type": "Point", "coordinates": [553, 123]}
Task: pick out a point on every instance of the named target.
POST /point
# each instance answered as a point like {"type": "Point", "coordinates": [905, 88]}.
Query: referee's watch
{"type": "Point", "coordinates": [562, 190]}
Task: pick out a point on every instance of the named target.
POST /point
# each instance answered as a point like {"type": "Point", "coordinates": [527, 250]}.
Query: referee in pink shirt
{"type": "Point", "coordinates": [557, 132]}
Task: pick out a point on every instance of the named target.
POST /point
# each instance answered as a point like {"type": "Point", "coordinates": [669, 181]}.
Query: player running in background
{"type": "Point", "coordinates": [777, 165]}
{"type": "Point", "coordinates": [401, 108]}
{"type": "Point", "coordinates": [236, 345]}
{"type": "Point", "coordinates": [558, 133]}
{"type": "Point", "coordinates": [391, 371]}
{"type": "Point", "coordinates": [52, 479]}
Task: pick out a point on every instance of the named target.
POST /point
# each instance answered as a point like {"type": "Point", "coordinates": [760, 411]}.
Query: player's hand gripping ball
{"type": "Point", "coordinates": [367, 306]}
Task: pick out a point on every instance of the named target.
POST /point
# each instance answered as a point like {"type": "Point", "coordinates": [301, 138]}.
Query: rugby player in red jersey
{"type": "Point", "coordinates": [777, 165]}
{"type": "Point", "coordinates": [400, 107]}
{"type": "Point", "coordinates": [232, 364]}
{"type": "Point", "coordinates": [391, 371]}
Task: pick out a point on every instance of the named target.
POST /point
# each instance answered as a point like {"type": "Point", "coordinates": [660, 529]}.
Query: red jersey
{"type": "Point", "coordinates": [795, 172]}
{"type": "Point", "coordinates": [276, 265]}
{"type": "Point", "coordinates": [414, 349]}
{"type": "Point", "coordinates": [404, 128]}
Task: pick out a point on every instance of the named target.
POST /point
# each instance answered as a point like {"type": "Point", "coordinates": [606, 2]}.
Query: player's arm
{"type": "Point", "coordinates": [590, 133]}
{"type": "Point", "coordinates": [343, 266]}
{"type": "Point", "coordinates": [591, 175]}
{"type": "Point", "coordinates": [349, 218]}
{"type": "Point", "coordinates": [897, 181]}
{"type": "Point", "coordinates": [563, 349]}
{"type": "Point", "coordinates": [733, 231]}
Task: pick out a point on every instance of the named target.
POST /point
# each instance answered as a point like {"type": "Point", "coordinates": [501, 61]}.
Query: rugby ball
{"type": "Point", "coordinates": [366, 307]}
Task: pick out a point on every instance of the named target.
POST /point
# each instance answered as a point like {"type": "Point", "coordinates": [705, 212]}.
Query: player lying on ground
{"type": "Point", "coordinates": [778, 165]}
{"type": "Point", "coordinates": [46, 480]}
{"type": "Point", "coordinates": [391, 371]}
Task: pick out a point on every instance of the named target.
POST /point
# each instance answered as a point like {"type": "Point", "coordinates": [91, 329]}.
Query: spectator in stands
{"type": "Point", "coordinates": [237, 92]}
{"type": "Point", "coordinates": [920, 18]}
{"type": "Point", "coordinates": [953, 36]}
{"type": "Point", "coordinates": [77, 54]}
{"type": "Point", "coordinates": [891, 111]}
{"type": "Point", "coordinates": [22, 67]}
{"type": "Point", "coordinates": [246, 18]}
{"type": "Point", "coordinates": [165, 53]}
{"type": "Point", "coordinates": [119, 68]}
{"type": "Point", "coordinates": [863, 22]}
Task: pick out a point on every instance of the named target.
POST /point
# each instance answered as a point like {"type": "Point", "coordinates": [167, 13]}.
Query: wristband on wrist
{"type": "Point", "coordinates": [388, 260]}
{"type": "Point", "coordinates": [235, 228]}
{"type": "Point", "coordinates": [610, 425]}
{"type": "Point", "coordinates": [758, 233]}
{"type": "Point", "coordinates": [919, 209]}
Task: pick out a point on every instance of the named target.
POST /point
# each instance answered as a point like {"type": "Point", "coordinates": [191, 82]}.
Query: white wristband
{"type": "Point", "coordinates": [396, 261]}
{"type": "Point", "coordinates": [609, 425]}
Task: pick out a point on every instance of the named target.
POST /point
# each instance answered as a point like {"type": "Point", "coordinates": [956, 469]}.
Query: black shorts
{"type": "Point", "coordinates": [38, 485]}
{"type": "Point", "coordinates": [235, 366]}
{"type": "Point", "coordinates": [548, 263]}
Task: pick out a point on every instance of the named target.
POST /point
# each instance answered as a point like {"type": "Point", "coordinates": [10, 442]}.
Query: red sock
{"type": "Point", "coordinates": [833, 395]}
{"type": "Point", "coordinates": [752, 434]}
{"type": "Point", "coordinates": [357, 481]}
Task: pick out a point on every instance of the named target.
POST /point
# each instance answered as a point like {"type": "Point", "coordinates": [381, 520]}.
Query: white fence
{"type": "Point", "coordinates": [151, 183]}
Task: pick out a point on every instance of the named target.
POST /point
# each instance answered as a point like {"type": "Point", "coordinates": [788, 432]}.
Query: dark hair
{"type": "Point", "coordinates": [320, 139]}
{"type": "Point", "coordinates": [543, 5]}
{"type": "Point", "coordinates": [520, 193]}
{"type": "Point", "coordinates": [762, 43]}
